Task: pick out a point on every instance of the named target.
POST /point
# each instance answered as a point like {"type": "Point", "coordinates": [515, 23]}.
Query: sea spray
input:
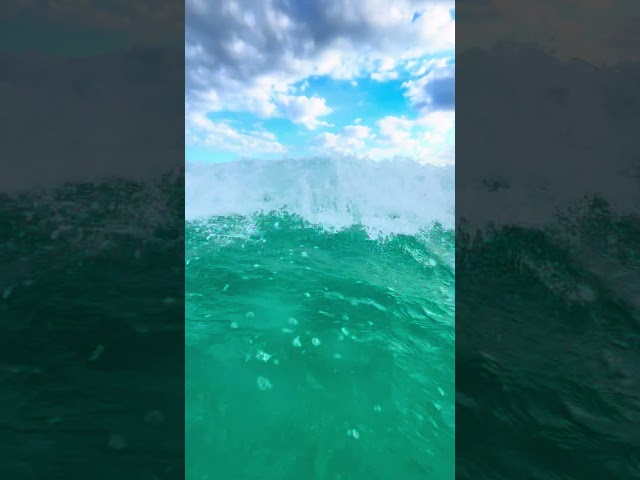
{"type": "Point", "coordinates": [347, 363]}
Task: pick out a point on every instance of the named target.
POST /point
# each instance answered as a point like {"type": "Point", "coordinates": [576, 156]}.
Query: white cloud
{"type": "Point", "coordinates": [304, 110]}
{"type": "Point", "coordinates": [242, 55]}
{"type": "Point", "coordinates": [202, 131]}
{"type": "Point", "coordinates": [435, 87]}
{"type": "Point", "coordinates": [350, 140]}
{"type": "Point", "coordinates": [423, 138]}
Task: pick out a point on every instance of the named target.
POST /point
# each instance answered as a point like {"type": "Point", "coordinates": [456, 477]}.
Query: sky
{"type": "Point", "coordinates": [79, 28]}
{"type": "Point", "coordinates": [601, 32]}
{"type": "Point", "coordinates": [305, 78]}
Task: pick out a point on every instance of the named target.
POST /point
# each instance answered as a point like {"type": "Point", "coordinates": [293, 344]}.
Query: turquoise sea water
{"type": "Point", "coordinates": [91, 325]}
{"type": "Point", "coordinates": [320, 343]}
{"type": "Point", "coordinates": [547, 347]}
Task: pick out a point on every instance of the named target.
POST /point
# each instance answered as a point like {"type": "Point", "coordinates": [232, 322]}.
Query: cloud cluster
{"type": "Point", "coordinates": [422, 138]}
{"type": "Point", "coordinates": [434, 90]}
{"type": "Point", "coordinates": [599, 31]}
{"type": "Point", "coordinates": [247, 56]}
{"type": "Point", "coordinates": [153, 21]}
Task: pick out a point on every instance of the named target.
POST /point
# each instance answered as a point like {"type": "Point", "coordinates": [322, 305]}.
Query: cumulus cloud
{"type": "Point", "coordinates": [304, 110]}
{"type": "Point", "coordinates": [140, 21]}
{"type": "Point", "coordinates": [422, 138]}
{"type": "Point", "coordinates": [220, 135]}
{"type": "Point", "coordinates": [243, 55]}
{"type": "Point", "coordinates": [599, 31]}
{"type": "Point", "coordinates": [350, 140]}
{"type": "Point", "coordinates": [434, 90]}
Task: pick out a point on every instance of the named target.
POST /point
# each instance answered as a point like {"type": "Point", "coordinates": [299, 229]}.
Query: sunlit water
{"type": "Point", "coordinates": [319, 345]}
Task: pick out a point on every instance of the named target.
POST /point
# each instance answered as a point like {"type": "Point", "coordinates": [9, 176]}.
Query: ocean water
{"type": "Point", "coordinates": [91, 326]}
{"type": "Point", "coordinates": [548, 346]}
{"type": "Point", "coordinates": [319, 320]}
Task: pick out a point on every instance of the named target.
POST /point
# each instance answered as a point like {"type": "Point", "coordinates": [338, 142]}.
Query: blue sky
{"type": "Point", "coordinates": [288, 79]}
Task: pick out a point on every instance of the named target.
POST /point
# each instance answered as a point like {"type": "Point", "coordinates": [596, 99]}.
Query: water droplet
{"type": "Point", "coordinates": [296, 342]}
{"type": "Point", "coordinates": [354, 433]}
{"type": "Point", "coordinates": [316, 341]}
{"type": "Point", "coordinates": [263, 356]}
{"type": "Point", "coordinates": [117, 442]}
{"type": "Point", "coordinates": [96, 353]}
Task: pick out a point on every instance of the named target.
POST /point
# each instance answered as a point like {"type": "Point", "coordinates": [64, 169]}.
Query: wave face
{"type": "Point", "coordinates": [92, 276]}
{"type": "Point", "coordinates": [388, 197]}
{"type": "Point", "coordinates": [550, 342]}
{"type": "Point", "coordinates": [547, 267]}
{"type": "Point", "coordinates": [320, 327]}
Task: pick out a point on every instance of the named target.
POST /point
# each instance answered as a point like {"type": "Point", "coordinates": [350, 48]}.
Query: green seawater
{"type": "Point", "coordinates": [548, 348]}
{"type": "Point", "coordinates": [318, 354]}
{"type": "Point", "coordinates": [91, 331]}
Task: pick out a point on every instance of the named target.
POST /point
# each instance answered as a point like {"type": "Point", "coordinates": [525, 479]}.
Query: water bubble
{"type": "Point", "coordinates": [307, 294]}
{"type": "Point", "coordinates": [344, 331]}
{"type": "Point", "coordinates": [7, 292]}
{"type": "Point", "coordinates": [304, 254]}
{"type": "Point", "coordinates": [441, 391]}
{"type": "Point", "coordinates": [117, 442]}
{"type": "Point", "coordinates": [337, 356]}
{"type": "Point", "coordinates": [264, 383]}
{"type": "Point", "coordinates": [353, 433]}
{"type": "Point", "coordinates": [432, 262]}
{"type": "Point", "coordinates": [226, 287]}
{"type": "Point", "coordinates": [293, 321]}
{"type": "Point", "coordinates": [345, 317]}
{"type": "Point", "coordinates": [316, 341]}
{"type": "Point", "coordinates": [377, 408]}
{"type": "Point", "coordinates": [154, 417]}
{"type": "Point", "coordinates": [250, 315]}
{"type": "Point", "coordinates": [287, 330]}
{"type": "Point", "coordinates": [96, 353]}
{"type": "Point", "coordinates": [296, 342]}
{"type": "Point", "coordinates": [263, 356]}
{"type": "Point", "coordinates": [234, 325]}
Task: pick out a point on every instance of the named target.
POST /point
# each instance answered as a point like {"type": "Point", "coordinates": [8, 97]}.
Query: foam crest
{"type": "Point", "coordinates": [388, 197]}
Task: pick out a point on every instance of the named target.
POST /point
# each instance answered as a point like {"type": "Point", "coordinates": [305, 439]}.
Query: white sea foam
{"type": "Point", "coordinates": [389, 197]}
{"type": "Point", "coordinates": [563, 132]}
